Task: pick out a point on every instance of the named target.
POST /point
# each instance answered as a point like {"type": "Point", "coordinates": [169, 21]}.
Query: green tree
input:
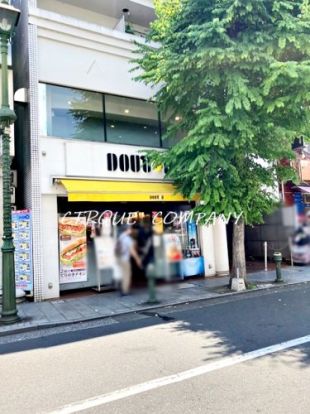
{"type": "Point", "coordinates": [236, 76]}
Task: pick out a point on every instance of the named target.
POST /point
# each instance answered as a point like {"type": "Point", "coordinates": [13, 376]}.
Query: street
{"type": "Point", "coordinates": [205, 357]}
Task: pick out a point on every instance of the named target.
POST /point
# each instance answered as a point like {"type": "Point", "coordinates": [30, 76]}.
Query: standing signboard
{"type": "Point", "coordinates": [21, 229]}
{"type": "Point", "coordinates": [72, 249]}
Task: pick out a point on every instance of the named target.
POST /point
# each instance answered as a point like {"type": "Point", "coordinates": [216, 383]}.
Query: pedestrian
{"type": "Point", "coordinates": [124, 250]}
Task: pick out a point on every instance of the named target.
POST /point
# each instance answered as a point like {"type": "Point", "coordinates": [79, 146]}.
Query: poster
{"type": "Point", "coordinates": [172, 247]}
{"type": "Point", "coordinates": [192, 234]}
{"type": "Point", "coordinates": [72, 249]}
{"type": "Point", "coordinates": [21, 228]}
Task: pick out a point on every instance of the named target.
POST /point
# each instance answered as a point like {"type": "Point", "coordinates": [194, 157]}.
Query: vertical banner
{"type": "Point", "coordinates": [21, 228]}
{"type": "Point", "coordinates": [192, 234]}
{"type": "Point", "coordinates": [72, 249]}
{"type": "Point", "coordinates": [300, 207]}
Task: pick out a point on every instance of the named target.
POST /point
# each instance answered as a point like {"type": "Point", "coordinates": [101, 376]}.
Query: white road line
{"type": "Point", "coordinates": [175, 378]}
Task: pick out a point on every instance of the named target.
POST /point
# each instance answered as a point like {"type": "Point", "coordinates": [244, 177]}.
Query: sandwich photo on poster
{"type": "Point", "coordinates": [72, 249]}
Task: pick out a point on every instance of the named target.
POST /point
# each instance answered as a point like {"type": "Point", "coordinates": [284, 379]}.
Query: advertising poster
{"type": "Point", "coordinates": [173, 248]}
{"type": "Point", "coordinates": [21, 228]}
{"type": "Point", "coordinates": [192, 235]}
{"type": "Point", "coordinates": [72, 249]}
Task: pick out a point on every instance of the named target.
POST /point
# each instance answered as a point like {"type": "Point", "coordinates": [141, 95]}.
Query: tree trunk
{"type": "Point", "coordinates": [239, 262]}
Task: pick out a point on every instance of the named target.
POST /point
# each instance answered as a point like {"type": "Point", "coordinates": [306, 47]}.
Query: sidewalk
{"type": "Point", "coordinates": [96, 306]}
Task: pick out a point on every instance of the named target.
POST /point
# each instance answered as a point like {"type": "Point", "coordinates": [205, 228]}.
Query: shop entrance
{"type": "Point", "coordinates": [148, 219]}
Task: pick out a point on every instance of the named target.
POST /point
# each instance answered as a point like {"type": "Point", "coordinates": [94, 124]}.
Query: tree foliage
{"type": "Point", "coordinates": [236, 73]}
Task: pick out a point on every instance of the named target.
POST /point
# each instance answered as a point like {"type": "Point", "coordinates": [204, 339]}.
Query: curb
{"type": "Point", "coordinates": [217, 299]}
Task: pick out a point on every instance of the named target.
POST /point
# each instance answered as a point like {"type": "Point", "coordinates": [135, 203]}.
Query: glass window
{"type": "Point", "coordinates": [73, 113]}
{"type": "Point", "coordinates": [131, 121]}
{"type": "Point", "coordinates": [168, 120]}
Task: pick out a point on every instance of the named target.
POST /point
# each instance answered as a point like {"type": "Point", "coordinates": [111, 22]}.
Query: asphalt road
{"type": "Point", "coordinates": [201, 358]}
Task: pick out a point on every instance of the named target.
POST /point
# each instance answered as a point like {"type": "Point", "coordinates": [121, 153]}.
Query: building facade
{"type": "Point", "coordinates": [82, 129]}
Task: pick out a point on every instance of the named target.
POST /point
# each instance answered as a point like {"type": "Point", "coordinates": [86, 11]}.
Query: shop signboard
{"type": "Point", "coordinates": [21, 228]}
{"type": "Point", "coordinates": [72, 249]}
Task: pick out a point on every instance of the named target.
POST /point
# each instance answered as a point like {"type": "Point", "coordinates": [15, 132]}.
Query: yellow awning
{"type": "Point", "coordinates": [89, 190]}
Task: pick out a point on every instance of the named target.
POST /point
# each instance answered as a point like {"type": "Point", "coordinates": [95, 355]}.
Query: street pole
{"type": "Point", "coordinates": [277, 257]}
{"type": "Point", "coordinates": [8, 19]}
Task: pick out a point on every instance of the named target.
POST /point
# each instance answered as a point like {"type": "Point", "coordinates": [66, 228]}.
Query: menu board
{"type": "Point", "coordinates": [21, 229]}
{"type": "Point", "coordinates": [72, 249]}
{"type": "Point", "coordinates": [105, 252]}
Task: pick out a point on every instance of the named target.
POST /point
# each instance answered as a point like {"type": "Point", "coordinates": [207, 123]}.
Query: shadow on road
{"type": "Point", "coordinates": [234, 327]}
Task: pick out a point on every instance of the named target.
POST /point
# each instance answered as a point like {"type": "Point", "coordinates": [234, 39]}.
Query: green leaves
{"type": "Point", "coordinates": [282, 42]}
{"type": "Point", "coordinates": [238, 74]}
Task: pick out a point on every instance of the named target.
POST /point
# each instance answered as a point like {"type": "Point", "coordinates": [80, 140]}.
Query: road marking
{"type": "Point", "coordinates": [175, 378]}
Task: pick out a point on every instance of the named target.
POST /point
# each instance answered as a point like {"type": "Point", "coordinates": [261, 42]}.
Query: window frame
{"type": "Point", "coordinates": [104, 116]}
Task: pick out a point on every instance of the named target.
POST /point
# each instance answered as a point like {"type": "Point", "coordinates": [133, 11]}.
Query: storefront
{"type": "Point", "coordinates": [90, 219]}
{"type": "Point", "coordinates": [83, 146]}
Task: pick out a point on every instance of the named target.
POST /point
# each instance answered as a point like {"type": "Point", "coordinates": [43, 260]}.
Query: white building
{"type": "Point", "coordinates": [83, 126]}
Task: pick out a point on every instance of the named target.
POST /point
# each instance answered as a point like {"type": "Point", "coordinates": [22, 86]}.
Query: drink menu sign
{"type": "Point", "coordinates": [21, 228]}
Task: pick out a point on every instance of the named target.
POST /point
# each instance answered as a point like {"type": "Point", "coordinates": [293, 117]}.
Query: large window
{"type": "Point", "coordinates": [131, 121]}
{"type": "Point", "coordinates": [77, 114]}
{"type": "Point", "coordinates": [168, 120]}
{"type": "Point", "coordinates": [73, 113]}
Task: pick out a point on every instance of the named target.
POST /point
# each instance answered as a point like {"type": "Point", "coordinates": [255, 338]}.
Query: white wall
{"type": "Point", "coordinates": [88, 69]}
{"type": "Point", "coordinates": [50, 247]}
{"type": "Point", "coordinates": [207, 249]}
{"type": "Point", "coordinates": [77, 12]}
{"type": "Point", "coordinates": [73, 158]}
{"type": "Point", "coordinates": [87, 56]}
{"type": "Point", "coordinates": [220, 248]}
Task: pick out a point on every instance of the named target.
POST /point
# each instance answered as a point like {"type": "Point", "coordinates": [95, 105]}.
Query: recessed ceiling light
{"type": "Point", "coordinates": [112, 126]}
{"type": "Point", "coordinates": [126, 111]}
